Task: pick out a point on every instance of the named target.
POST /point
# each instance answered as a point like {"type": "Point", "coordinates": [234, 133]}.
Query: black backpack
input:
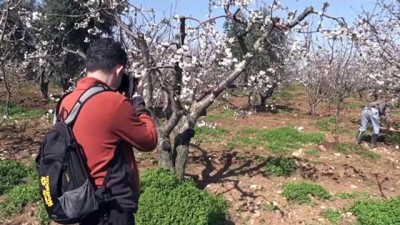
{"type": "Point", "coordinates": [65, 185]}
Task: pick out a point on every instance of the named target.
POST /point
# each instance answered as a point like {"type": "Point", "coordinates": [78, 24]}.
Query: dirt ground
{"type": "Point", "coordinates": [238, 175]}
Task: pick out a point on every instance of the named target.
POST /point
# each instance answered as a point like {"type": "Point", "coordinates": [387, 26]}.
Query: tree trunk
{"type": "Point", "coordinates": [337, 119]}
{"type": "Point", "coordinates": [44, 85]}
{"type": "Point", "coordinates": [175, 157]}
{"type": "Point", "coordinates": [8, 97]}
{"type": "Point", "coordinates": [313, 109]}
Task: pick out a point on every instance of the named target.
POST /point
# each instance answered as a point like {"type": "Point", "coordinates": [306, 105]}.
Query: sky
{"type": "Point", "coordinates": [199, 8]}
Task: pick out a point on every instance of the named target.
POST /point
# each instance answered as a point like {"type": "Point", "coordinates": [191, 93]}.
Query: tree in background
{"type": "Point", "coordinates": [266, 70]}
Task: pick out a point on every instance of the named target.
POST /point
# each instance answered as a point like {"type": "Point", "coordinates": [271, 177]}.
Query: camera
{"type": "Point", "coordinates": [128, 85]}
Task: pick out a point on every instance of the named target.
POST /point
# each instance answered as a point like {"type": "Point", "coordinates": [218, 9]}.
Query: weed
{"type": "Point", "coordinates": [392, 138]}
{"type": "Point", "coordinates": [353, 195]}
{"type": "Point", "coordinates": [226, 114]}
{"type": "Point", "coordinates": [348, 148]}
{"type": "Point", "coordinates": [269, 207]}
{"type": "Point", "coordinates": [280, 166]}
{"type": "Point", "coordinates": [332, 215]}
{"type": "Point", "coordinates": [377, 212]}
{"type": "Point", "coordinates": [280, 140]}
{"type": "Point", "coordinates": [282, 95]}
{"type": "Point", "coordinates": [356, 105]}
{"type": "Point", "coordinates": [326, 123]}
{"type": "Point", "coordinates": [11, 174]}
{"type": "Point", "coordinates": [210, 133]}
{"type": "Point", "coordinates": [18, 197]}
{"type": "Point", "coordinates": [370, 155]}
{"type": "Point", "coordinates": [18, 112]}
{"type": "Point", "coordinates": [300, 192]}
{"type": "Point", "coordinates": [42, 216]}
{"type": "Point", "coordinates": [313, 152]}
{"type": "Point", "coordinates": [186, 204]}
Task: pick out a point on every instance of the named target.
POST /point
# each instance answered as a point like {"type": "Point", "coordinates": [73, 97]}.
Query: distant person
{"type": "Point", "coordinates": [372, 113]}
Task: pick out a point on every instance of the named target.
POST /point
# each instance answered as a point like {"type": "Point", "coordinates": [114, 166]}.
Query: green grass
{"type": "Point", "coordinates": [18, 112]}
{"type": "Point", "coordinates": [313, 152]}
{"type": "Point", "coordinates": [377, 212]}
{"type": "Point", "coordinates": [283, 95]}
{"type": "Point", "coordinates": [12, 173]}
{"type": "Point", "coordinates": [299, 192]}
{"type": "Point", "coordinates": [18, 197]}
{"type": "Point", "coordinates": [167, 200]}
{"type": "Point", "coordinates": [355, 105]}
{"type": "Point", "coordinates": [326, 124]}
{"type": "Point", "coordinates": [279, 141]}
{"type": "Point", "coordinates": [353, 195]}
{"type": "Point", "coordinates": [351, 148]}
{"type": "Point", "coordinates": [332, 215]}
{"type": "Point", "coordinates": [225, 114]}
{"type": "Point", "coordinates": [210, 135]}
{"type": "Point", "coordinates": [280, 166]}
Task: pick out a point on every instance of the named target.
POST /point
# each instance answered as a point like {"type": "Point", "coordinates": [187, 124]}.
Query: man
{"type": "Point", "coordinates": [110, 124]}
{"type": "Point", "coordinates": [372, 113]}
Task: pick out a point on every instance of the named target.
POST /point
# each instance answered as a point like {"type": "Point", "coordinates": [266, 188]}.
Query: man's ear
{"type": "Point", "coordinates": [119, 70]}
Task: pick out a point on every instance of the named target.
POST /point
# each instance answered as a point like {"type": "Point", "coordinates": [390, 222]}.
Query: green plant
{"type": "Point", "coordinates": [377, 212]}
{"type": "Point", "coordinates": [208, 133]}
{"type": "Point", "coordinates": [282, 95]}
{"type": "Point", "coordinates": [332, 215]}
{"type": "Point", "coordinates": [370, 155]}
{"type": "Point", "coordinates": [393, 137]}
{"type": "Point", "coordinates": [42, 216]}
{"type": "Point", "coordinates": [313, 152]}
{"type": "Point", "coordinates": [225, 114]}
{"type": "Point", "coordinates": [353, 195]}
{"type": "Point", "coordinates": [269, 207]}
{"type": "Point", "coordinates": [11, 174]}
{"type": "Point", "coordinates": [279, 166]}
{"type": "Point", "coordinates": [348, 148]}
{"type": "Point", "coordinates": [18, 112]}
{"type": "Point", "coordinates": [282, 139]}
{"type": "Point", "coordinates": [167, 200]}
{"type": "Point", "coordinates": [326, 123]}
{"type": "Point", "coordinates": [18, 197]}
{"type": "Point", "coordinates": [300, 192]}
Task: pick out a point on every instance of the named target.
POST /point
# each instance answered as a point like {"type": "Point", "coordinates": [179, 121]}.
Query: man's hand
{"type": "Point", "coordinates": [140, 107]}
{"type": "Point", "coordinates": [392, 129]}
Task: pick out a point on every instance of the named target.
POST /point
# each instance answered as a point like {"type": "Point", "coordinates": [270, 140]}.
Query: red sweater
{"type": "Point", "coordinates": [105, 119]}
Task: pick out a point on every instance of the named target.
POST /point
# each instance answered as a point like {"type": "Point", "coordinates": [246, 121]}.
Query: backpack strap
{"type": "Point", "coordinates": [82, 100]}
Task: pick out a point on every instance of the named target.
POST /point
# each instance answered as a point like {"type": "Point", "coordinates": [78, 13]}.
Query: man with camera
{"type": "Point", "coordinates": [107, 127]}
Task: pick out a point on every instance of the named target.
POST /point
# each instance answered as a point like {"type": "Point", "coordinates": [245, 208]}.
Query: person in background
{"type": "Point", "coordinates": [372, 113]}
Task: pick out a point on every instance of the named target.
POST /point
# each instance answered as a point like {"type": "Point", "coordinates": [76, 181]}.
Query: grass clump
{"type": "Point", "coordinates": [280, 166]}
{"type": "Point", "coordinates": [206, 133]}
{"type": "Point", "coordinates": [313, 152]}
{"type": "Point", "coordinates": [18, 112]}
{"type": "Point", "coordinates": [11, 173]}
{"type": "Point", "coordinates": [325, 124]}
{"type": "Point", "coordinates": [350, 148]}
{"type": "Point", "coordinates": [225, 114]}
{"type": "Point", "coordinates": [353, 195]}
{"type": "Point", "coordinates": [332, 215]}
{"type": "Point", "coordinates": [377, 212]}
{"type": "Point", "coordinates": [18, 197]}
{"type": "Point", "coordinates": [167, 200]}
{"type": "Point", "coordinates": [300, 192]}
{"type": "Point", "coordinates": [282, 95]}
{"type": "Point", "coordinates": [280, 140]}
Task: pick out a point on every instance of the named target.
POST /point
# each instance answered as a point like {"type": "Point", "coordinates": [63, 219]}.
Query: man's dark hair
{"type": "Point", "coordinates": [104, 54]}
